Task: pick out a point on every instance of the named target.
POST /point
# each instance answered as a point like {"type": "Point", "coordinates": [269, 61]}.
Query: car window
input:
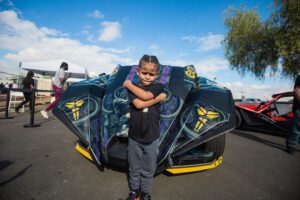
{"type": "Point", "coordinates": [284, 105]}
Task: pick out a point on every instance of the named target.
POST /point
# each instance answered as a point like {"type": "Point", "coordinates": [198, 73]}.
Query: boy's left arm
{"type": "Point", "coordinates": [139, 92]}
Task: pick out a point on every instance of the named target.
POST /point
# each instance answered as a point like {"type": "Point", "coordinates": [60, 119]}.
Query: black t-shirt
{"type": "Point", "coordinates": [27, 81]}
{"type": "Point", "coordinates": [296, 103]}
{"type": "Point", "coordinates": [144, 123]}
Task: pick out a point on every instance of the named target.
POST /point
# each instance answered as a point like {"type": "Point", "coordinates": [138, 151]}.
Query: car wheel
{"type": "Point", "coordinates": [238, 119]}
{"type": "Point", "coordinates": [216, 145]}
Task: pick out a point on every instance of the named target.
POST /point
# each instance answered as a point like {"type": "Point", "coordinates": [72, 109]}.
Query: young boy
{"type": "Point", "coordinates": [143, 128]}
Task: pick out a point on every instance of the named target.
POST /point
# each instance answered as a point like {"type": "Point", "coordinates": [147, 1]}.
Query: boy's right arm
{"type": "Point", "coordinates": [139, 92]}
{"type": "Point", "coordinates": [140, 104]}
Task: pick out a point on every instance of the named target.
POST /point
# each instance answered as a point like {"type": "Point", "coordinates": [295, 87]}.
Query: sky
{"type": "Point", "coordinates": [100, 34]}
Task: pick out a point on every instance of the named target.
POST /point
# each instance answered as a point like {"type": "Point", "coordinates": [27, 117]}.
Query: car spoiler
{"type": "Point", "coordinates": [284, 94]}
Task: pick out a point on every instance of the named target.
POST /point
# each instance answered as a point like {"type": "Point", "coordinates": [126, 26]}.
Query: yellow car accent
{"type": "Point", "coordinates": [201, 121]}
{"type": "Point", "coordinates": [181, 170]}
{"type": "Point", "coordinates": [190, 72]}
{"type": "Point", "coordinates": [177, 170]}
{"type": "Point", "coordinates": [83, 152]}
{"type": "Point", "coordinates": [75, 106]}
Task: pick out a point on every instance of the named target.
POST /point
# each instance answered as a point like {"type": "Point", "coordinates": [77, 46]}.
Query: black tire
{"type": "Point", "coordinates": [216, 145]}
{"type": "Point", "coordinates": [238, 119]}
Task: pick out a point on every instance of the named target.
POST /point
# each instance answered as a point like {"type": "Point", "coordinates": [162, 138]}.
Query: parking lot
{"type": "Point", "coordinates": [41, 163]}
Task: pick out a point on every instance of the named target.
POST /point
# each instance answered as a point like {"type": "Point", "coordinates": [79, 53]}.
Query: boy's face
{"type": "Point", "coordinates": [147, 73]}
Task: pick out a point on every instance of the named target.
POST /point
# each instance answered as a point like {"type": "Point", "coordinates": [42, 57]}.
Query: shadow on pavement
{"type": "Point", "coordinates": [47, 120]}
{"type": "Point", "coordinates": [258, 139]}
{"type": "Point", "coordinates": [5, 163]}
{"type": "Point", "coordinates": [22, 172]}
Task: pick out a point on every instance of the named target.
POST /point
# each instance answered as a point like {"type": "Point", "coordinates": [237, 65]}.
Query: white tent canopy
{"type": "Point", "coordinates": [49, 67]}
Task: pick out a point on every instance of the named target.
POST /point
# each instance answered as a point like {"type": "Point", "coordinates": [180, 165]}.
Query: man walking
{"type": "Point", "coordinates": [28, 83]}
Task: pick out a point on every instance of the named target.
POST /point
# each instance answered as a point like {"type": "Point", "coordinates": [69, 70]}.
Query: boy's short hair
{"type": "Point", "coordinates": [149, 59]}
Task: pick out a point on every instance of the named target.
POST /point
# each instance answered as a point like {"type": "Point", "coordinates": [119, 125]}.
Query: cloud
{"type": "Point", "coordinates": [261, 91]}
{"type": "Point", "coordinates": [153, 47]}
{"type": "Point", "coordinates": [24, 41]}
{"type": "Point", "coordinates": [260, 87]}
{"type": "Point", "coordinates": [86, 32]}
{"type": "Point", "coordinates": [96, 14]}
{"type": "Point", "coordinates": [178, 62]}
{"type": "Point", "coordinates": [206, 67]}
{"type": "Point", "coordinates": [17, 34]}
{"type": "Point", "coordinates": [110, 31]}
{"type": "Point", "coordinates": [212, 64]}
{"type": "Point", "coordinates": [206, 43]}
{"type": "Point", "coordinates": [53, 32]}
{"type": "Point", "coordinates": [10, 67]}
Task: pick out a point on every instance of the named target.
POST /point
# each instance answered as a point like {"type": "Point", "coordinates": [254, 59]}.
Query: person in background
{"type": "Point", "coordinates": [58, 83]}
{"type": "Point", "coordinates": [15, 86]}
{"type": "Point", "coordinates": [293, 137]}
{"type": "Point", "coordinates": [6, 86]}
{"type": "Point", "coordinates": [144, 131]}
{"type": "Point", "coordinates": [1, 87]}
{"type": "Point", "coordinates": [28, 83]}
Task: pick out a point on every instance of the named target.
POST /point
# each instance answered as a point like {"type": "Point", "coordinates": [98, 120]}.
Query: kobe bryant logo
{"type": "Point", "coordinates": [75, 106]}
{"type": "Point", "coordinates": [204, 116]}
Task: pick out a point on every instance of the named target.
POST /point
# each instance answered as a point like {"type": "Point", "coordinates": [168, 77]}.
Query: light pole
{"type": "Point", "coordinates": [18, 75]}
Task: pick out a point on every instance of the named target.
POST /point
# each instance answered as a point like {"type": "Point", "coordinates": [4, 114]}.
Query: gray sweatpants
{"type": "Point", "coordinates": [142, 164]}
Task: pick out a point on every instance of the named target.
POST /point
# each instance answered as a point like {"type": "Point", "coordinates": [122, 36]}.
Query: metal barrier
{"type": "Point", "coordinates": [7, 102]}
{"type": "Point", "coordinates": [32, 102]}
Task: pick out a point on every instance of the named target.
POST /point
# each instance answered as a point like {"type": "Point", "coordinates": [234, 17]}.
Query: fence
{"type": "Point", "coordinates": [32, 102]}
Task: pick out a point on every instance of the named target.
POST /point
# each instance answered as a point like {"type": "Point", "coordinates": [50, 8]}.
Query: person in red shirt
{"type": "Point", "coordinates": [58, 83]}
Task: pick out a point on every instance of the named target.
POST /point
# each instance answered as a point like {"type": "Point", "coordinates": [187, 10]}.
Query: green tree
{"type": "Point", "coordinates": [256, 46]}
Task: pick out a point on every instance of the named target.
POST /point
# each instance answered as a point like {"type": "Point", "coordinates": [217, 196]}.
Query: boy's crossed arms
{"type": "Point", "coordinates": [144, 98]}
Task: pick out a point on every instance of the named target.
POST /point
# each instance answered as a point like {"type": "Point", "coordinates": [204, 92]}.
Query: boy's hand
{"type": "Point", "coordinates": [127, 83]}
{"type": "Point", "coordinates": [162, 96]}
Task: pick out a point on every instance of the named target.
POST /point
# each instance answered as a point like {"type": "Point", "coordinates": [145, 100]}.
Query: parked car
{"type": "Point", "coordinates": [272, 116]}
{"type": "Point", "coordinates": [252, 100]}
{"type": "Point", "coordinates": [194, 119]}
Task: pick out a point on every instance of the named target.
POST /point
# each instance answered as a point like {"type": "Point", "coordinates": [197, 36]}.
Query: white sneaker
{"type": "Point", "coordinates": [44, 114]}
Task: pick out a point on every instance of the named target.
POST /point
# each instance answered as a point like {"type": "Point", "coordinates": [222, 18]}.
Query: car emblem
{"type": "Point", "coordinates": [190, 72]}
{"type": "Point", "coordinates": [204, 116]}
{"type": "Point", "coordinates": [75, 106]}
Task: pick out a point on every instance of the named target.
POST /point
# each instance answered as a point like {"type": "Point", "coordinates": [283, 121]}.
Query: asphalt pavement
{"type": "Point", "coordinates": [41, 163]}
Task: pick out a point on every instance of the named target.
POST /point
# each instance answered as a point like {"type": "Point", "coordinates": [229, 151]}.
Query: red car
{"type": "Point", "coordinates": [272, 116]}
